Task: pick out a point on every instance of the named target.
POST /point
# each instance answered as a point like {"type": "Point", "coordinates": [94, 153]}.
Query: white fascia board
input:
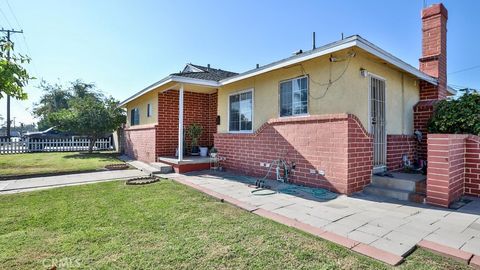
{"type": "Point", "coordinates": [168, 79]}
{"type": "Point", "coordinates": [369, 47]}
{"type": "Point", "coordinates": [146, 90]}
{"type": "Point", "coordinates": [194, 81]}
{"type": "Point", "coordinates": [451, 90]}
{"type": "Point", "coordinates": [327, 49]}
{"type": "Point", "coordinates": [354, 41]}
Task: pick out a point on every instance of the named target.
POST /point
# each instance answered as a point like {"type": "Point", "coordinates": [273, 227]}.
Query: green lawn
{"type": "Point", "coordinates": [162, 226]}
{"type": "Point", "coordinates": [46, 163]}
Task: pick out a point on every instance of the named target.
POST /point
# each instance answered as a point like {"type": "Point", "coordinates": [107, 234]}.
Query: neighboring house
{"type": "Point", "coordinates": [49, 133]}
{"type": "Point", "coordinates": [340, 111]}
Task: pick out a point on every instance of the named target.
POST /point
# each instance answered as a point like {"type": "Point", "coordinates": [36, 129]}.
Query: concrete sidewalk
{"type": "Point", "coordinates": [29, 184]}
{"type": "Point", "coordinates": [385, 230]}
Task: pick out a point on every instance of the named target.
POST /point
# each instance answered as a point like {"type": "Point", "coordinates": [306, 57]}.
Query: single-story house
{"type": "Point", "coordinates": [339, 112]}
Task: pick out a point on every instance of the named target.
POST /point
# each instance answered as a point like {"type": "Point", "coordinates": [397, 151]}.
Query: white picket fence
{"type": "Point", "coordinates": [16, 145]}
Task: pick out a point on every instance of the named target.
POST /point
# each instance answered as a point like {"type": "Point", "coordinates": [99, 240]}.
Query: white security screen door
{"type": "Point", "coordinates": [377, 123]}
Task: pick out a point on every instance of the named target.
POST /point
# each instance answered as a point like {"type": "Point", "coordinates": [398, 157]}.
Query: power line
{"type": "Point", "coordinates": [6, 19]}
{"type": "Point", "coordinates": [23, 37]}
{"type": "Point", "coordinates": [466, 69]}
{"type": "Point", "coordinates": [9, 32]}
{"type": "Point", "coordinates": [13, 14]}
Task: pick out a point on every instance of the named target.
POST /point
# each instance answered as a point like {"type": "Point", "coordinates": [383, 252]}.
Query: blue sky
{"type": "Point", "coordinates": [123, 46]}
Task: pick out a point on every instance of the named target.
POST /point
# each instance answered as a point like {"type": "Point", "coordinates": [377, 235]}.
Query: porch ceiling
{"type": "Point", "coordinates": [188, 87]}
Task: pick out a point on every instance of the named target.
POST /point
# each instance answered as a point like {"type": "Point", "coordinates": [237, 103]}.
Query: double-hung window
{"type": "Point", "coordinates": [240, 111]}
{"type": "Point", "coordinates": [134, 117]}
{"type": "Point", "coordinates": [294, 96]}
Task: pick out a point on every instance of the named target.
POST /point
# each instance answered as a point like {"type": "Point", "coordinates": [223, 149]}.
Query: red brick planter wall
{"type": "Point", "coordinates": [198, 108]}
{"type": "Point", "coordinates": [397, 146]}
{"type": "Point", "coordinates": [336, 144]}
{"type": "Point", "coordinates": [472, 166]}
{"type": "Point", "coordinates": [139, 143]}
{"type": "Point", "coordinates": [453, 167]}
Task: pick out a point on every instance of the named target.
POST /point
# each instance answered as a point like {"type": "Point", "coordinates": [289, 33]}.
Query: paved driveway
{"type": "Point", "coordinates": [391, 226]}
{"type": "Point", "coordinates": [28, 184]}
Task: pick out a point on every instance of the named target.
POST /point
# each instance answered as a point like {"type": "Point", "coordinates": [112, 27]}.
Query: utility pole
{"type": "Point", "coordinates": [11, 31]}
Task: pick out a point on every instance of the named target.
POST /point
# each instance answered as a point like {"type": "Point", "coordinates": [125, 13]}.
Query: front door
{"type": "Point", "coordinates": [377, 123]}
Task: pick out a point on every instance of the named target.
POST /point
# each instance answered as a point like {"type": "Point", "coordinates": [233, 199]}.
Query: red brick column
{"type": "Point", "coordinates": [446, 168]}
{"type": "Point", "coordinates": [139, 142]}
{"type": "Point", "coordinates": [472, 166]}
{"type": "Point", "coordinates": [336, 144]}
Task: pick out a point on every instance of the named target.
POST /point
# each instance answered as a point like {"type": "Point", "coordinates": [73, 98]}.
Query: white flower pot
{"type": "Point", "coordinates": [203, 151]}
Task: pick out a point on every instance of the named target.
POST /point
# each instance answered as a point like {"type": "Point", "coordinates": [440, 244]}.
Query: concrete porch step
{"type": "Point", "coordinates": [397, 194]}
{"type": "Point", "coordinates": [399, 186]}
{"type": "Point", "coordinates": [391, 183]}
{"type": "Point", "coordinates": [144, 167]}
{"type": "Point", "coordinates": [162, 167]}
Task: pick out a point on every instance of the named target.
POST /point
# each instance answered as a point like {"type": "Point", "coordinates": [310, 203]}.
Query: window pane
{"type": "Point", "coordinates": [286, 98]}
{"type": "Point", "coordinates": [303, 83]}
{"type": "Point", "coordinates": [300, 96]}
{"type": "Point", "coordinates": [241, 112]}
{"type": "Point", "coordinates": [246, 111]}
{"type": "Point", "coordinates": [234, 122]}
{"type": "Point", "coordinates": [137, 116]}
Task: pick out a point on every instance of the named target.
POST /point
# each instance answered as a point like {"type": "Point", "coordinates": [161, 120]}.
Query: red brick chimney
{"type": "Point", "coordinates": [434, 50]}
{"type": "Point", "coordinates": [434, 63]}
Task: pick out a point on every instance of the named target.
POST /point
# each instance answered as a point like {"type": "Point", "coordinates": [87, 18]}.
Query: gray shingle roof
{"type": "Point", "coordinates": [207, 73]}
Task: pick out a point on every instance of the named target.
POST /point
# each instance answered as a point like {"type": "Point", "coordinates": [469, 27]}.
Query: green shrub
{"type": "Point", "coordinates": [455, 116]}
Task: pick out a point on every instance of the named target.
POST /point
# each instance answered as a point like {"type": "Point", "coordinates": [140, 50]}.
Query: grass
{"type": "Point", "coordinates": [162, 226]}
{"type": "Point", "coordinates": [52, 163]}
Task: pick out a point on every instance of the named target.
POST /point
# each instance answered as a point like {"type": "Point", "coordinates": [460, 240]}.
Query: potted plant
{"type": "Point", "coordinates": [194, 131]}
{"type": "Point", "coordinates": [213, 152]}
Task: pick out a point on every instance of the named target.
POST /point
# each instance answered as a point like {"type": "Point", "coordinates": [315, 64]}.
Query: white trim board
{"type": "Point", "coordinates": [350, 42]}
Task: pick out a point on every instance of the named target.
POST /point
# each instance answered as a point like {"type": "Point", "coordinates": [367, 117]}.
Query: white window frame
{"type": "Point", "coordinates": [252, 90]}
{"type": "Point", "coordinates": [149, 110]}
{"type": "Point", "coordinates": [131, 123]}
{"type": "Point", "coordinates": [280, 98]}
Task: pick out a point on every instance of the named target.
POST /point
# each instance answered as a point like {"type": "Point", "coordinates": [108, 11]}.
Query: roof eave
{"type": "Point", "coordinates": [168, 79]}
{"type": "Point", "coordinates": [451, 90]}
{"type": "Point", "coordinates": [354, 41]}
{"type": "Point", "coordinates": [372, 49]}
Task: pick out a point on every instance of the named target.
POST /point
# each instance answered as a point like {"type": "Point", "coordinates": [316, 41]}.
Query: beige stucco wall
{"type": "Point", "coordinates": [347, 95]}
{"type": "Point", "coordinates": [141, 103]}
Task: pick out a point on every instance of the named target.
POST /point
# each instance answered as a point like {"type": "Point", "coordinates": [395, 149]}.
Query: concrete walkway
{"type": "Point", "coordinates": [29, 184]}
{"type": "Point", "coordinates": [392, 227]}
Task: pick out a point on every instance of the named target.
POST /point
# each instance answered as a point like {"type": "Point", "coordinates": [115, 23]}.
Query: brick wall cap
{"type": "Point", "coordinates": [436, 9]}
{"type": "Point", "coordinates": [141, 127]}
{"type": "Point", "coordinates": [308, 118]}
{"type": "Point", "coordinates": [426, 103]}
{"type": "Point", "coordinates": [450, 136]}
{"type": "Point", "coordinates": [474, 138]}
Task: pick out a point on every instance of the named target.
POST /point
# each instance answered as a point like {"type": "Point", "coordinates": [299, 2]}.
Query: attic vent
{"type": "Point", "coordinates": [190, 68]}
